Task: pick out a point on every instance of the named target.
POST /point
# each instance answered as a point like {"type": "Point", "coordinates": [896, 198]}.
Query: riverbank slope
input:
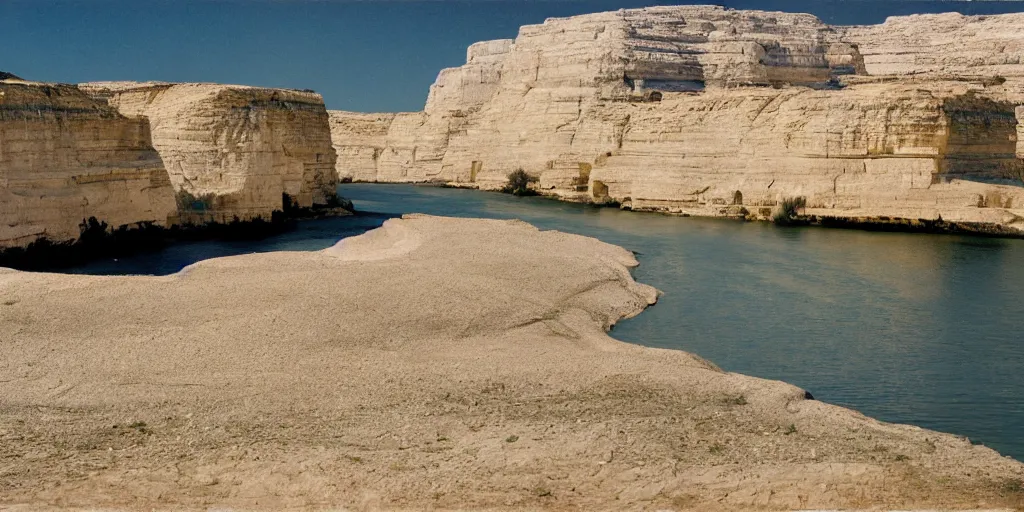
{"type": "Point", "coordinates": [433, 362]}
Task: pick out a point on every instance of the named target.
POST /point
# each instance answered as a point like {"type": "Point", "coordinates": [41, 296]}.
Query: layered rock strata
{"type": "Point", "coordinates": [950, 43]}
{"type": "Point", "coordinates": [543, 80]}
{"type": "Point", "coordinates": [431, 363]}
{"type": "Point", "coordinates": [66, 158]}
{"type": "Point", "coordinates": [474, 83]}
{"type": "Point", "coordinates": [870, 150]}
{"type": "Point", "coordinates": [359, 140]}
{"type": "Point", "coordinates": [1020, 132]}
{"type": "Point", "coordinates": [709, 111]}
{"type": "Point", "coordinates": [234, 152]}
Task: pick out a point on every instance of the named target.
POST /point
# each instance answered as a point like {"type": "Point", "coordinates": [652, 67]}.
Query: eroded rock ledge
{"type": "Point", "coordinates": [434, 362]}
{"type": "Point", "coordinates": [65, 158]}
{"type": "Point", "coordinates": [702, 110]}
{"type": "Point", "coordinates": [87, 168]}
{"type": "Point", "coordinates": [234, 151]}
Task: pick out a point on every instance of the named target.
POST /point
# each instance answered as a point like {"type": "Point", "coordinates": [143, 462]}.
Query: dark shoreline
{"type": "Point", "coordinates": [924, 226]}
{"type": "Point", "coordinates": [97, 240]}
{"type": "Point", "coordinates": [880, 224]}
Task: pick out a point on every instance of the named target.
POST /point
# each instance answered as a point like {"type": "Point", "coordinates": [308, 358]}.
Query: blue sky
{"type": "Point", "coordinates": [362, 55]}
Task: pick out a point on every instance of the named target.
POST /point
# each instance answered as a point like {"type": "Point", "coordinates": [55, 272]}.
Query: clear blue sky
{"type": "Point", "coordinates": [361, 55]}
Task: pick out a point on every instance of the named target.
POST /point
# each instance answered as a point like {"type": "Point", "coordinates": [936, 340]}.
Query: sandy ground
{"type": "Point", "coordinates": [432, 363]}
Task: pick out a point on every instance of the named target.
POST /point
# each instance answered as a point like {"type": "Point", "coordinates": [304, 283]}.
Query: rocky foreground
{"type": "Point", "coordinates": [433, 362]}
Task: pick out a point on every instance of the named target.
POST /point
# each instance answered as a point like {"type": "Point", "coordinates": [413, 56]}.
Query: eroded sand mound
{"type": "Point", "coordinates": [434, 362]}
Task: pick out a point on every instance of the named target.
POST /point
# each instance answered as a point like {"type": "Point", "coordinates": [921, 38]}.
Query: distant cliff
{"type": "Point", "coordinates": [709, 111]}
{"type": "Point", "coordinates": [66, 158]}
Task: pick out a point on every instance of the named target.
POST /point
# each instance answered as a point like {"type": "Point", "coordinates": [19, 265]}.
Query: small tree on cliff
{"type": "Point", "coordinates": [519, 183]}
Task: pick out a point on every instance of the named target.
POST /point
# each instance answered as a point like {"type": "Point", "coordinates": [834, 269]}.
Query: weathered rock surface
{"type": "Point", "coordinates": [234, 151]}
{"type": "Point", "coordinates": [359, 140]}
{"type": "Point", "coordinates": [472, 84]}
{"type": "Point", "coordinates": [639, 106]}
{"type": "Point", "coordinates": [919, 152]}
{"type": "Point", "coordinates": [404, 147]}
{"type": "Point", "coordinates": [65, 158]}
{"type": "Point", "coordinates": [432, 363]}
{"type": "Point", "coordinates": [950, 43]}
{"type": "Point", "coordinates": [552, 71]}
{"type": "Point", "coordinates": [1020, 132]}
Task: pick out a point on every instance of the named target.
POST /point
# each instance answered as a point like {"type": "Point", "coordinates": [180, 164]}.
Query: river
{"type": "Point", "coordinates": [908, 328]}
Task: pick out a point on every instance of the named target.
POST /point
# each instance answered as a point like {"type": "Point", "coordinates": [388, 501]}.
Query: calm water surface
{"type": "Point", "coordinates": [918, 329]}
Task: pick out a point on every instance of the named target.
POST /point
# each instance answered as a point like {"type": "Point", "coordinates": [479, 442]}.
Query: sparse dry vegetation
{"type": "Point", "coordinates": [519, 183]}
{"type": "Point", "coordinates": [788, 211]}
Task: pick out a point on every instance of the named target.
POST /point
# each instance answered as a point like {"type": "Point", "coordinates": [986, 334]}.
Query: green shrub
{"type": "Point", "coordinates": [789, 210]}
{"type": "Point", "coordinates": [519, 183]}
{"type": "Point", "coordinates": [92, 231]}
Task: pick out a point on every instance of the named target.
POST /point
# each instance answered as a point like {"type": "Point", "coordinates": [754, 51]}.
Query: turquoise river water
{"type": "Point", "coordinates": [909, 328]}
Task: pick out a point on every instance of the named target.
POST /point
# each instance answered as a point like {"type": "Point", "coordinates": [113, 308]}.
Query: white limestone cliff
{"type": "Point", "coordinates": [358, 141]}
{"type": "Point", "coordinates": [709, 111]}
{"type": "Point", "coordinates": [543, 78]}
{"type": "Point", "coordinates": [991, 46]}
{"type": "Point", "coordinates": [234, 151]}
{"type": "Point", "coordinates": [473, 83]}
{"type": "Point", "coordinates": [870, 150]}
{"type": "Point", "coordinates": [948, 44]}
{"type": "Point", "coordinates": [66, 158]}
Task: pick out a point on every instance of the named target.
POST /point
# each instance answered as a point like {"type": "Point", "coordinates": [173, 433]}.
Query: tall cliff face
{"type": "Point", "coordinates": [949, 44]}
{"type": "Point", "coordinates": [359, 140]}
{"type": "Point", "coordinates": [708, 111]}
{"type": "Point", "coordinates": [65, 158]}
{"type": "Point", "coordinates": [234, 151]}
{"type": "Point", "coordinates": [545, 79]}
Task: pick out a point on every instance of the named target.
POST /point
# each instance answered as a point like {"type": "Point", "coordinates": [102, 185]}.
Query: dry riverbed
{"type": "Point", "coordinates": [432, 363]}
